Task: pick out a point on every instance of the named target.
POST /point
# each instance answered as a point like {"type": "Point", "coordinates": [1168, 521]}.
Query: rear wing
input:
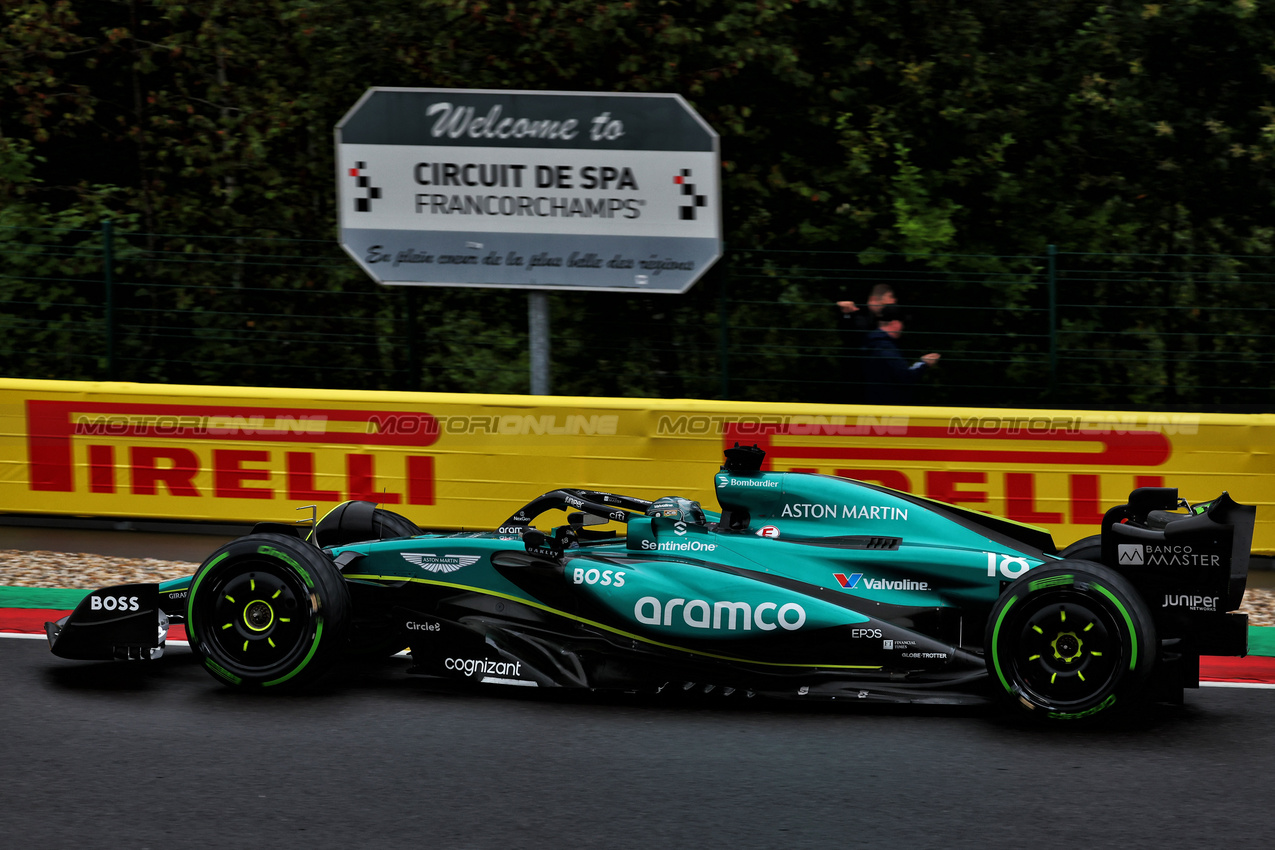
{"type": "Point", "coordinates": [1203, 552]}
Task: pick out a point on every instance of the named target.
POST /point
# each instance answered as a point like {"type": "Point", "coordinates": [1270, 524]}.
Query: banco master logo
{"type": "Point", "coordinates": [439, 563]}
{"type": "Point", "coordinates": [1131, 553]}
{"type": "Point", "coordinates": [363, 182]}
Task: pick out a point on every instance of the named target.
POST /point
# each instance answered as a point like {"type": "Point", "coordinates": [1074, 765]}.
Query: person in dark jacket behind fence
{"type": "Point", "coordinates": [854, 325]}
{"type": "Point", "coordinates": [888, 375]}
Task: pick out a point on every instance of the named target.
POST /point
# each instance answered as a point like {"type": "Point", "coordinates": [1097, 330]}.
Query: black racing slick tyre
{"type": "Point", "coordinates": [267, 610]}
{"type": "Point", "coordinates": [1069, 641]}
{"type": "Point", "coordinates": [1084, 549]}
{"type": "Point", "coordinates": [358, 522]}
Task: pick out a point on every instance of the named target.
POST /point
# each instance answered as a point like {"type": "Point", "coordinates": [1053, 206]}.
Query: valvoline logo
{"type": "Point", "coordinates": [851, 581]}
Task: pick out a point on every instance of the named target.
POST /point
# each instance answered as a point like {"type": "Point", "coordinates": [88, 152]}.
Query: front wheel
{"type": "Point", "coordinates": [358, 522]}
{"type": "Point", "coordinates": [267, 610]}
{"type": "Point", "coordinates": [1070, 640]}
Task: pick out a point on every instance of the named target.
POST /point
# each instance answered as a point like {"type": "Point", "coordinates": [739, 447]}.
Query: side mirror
{"type": "Point", "coordinates": [541, 545]}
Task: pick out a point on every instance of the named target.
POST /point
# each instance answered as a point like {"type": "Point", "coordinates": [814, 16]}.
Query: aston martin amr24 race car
{"type": "Point", "coordinates": [803, 586]}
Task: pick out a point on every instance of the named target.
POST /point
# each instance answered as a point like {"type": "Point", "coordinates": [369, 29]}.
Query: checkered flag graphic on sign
{"type": "Point", "coordinates": [364, 182]}
{"type": "Point", "coordinates": [691, 201]}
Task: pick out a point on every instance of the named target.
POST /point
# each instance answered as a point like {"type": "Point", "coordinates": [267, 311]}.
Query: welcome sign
{"type": "Point", "coordinates": [540, 190]}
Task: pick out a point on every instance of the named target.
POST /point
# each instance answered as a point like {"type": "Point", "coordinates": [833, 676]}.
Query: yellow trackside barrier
{"type": "Point", "coordinates": [470, 460]}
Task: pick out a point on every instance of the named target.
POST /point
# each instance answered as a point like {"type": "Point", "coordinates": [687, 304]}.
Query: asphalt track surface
{"type": "Point", "coordinates": [160, 755]}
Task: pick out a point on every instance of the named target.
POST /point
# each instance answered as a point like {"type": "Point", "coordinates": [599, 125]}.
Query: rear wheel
{"type": "Point", "coordinates": [1084, 549]}
{"type": "Point", "coordinates": [1070, 640]}
{"type": "Point", "coordinates": [267, 610]}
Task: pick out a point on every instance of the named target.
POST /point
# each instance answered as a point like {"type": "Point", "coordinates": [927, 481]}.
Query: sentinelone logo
{"type": "Point", "coordinates": [52, 426]}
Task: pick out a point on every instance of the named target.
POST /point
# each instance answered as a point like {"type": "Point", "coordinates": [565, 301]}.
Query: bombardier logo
{"type": "Point", "coordinates": [764, 483]}
{"type": "Point", "coordinates": [439, 563]}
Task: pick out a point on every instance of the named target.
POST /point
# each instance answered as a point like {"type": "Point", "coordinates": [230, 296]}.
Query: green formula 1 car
{"type": "Point", "coordinates": [803, 586]}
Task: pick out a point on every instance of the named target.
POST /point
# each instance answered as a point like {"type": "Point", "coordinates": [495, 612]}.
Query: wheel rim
{"type": "Point", "coordinates": [1068, 653]}
{"type": "Point", "coordinates": [256, 617]}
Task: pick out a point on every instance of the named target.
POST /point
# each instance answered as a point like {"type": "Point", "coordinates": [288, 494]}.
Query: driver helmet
{"type": "Point", "coordinates": [677, 507]}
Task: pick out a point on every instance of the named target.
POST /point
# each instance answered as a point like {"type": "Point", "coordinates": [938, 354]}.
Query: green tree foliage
{"type": "Point", "coordinates": [903, 133]}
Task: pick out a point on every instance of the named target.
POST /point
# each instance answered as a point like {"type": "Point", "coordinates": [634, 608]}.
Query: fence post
{"type": "Point", "coordinates": [723, 338]}
{"type": "Point", "coordinates": [1053, 322]}
{"type": "Point", "coordinates": [108, 281]}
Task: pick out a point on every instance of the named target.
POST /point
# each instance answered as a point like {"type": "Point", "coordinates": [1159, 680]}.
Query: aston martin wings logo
{"type": "Point", "coordinates": [439, 563]}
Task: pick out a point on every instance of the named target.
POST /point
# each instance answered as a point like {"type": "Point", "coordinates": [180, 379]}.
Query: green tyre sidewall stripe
{"type": "Point", "coordinates": [996, 632]}
{"type": "Point", "coordinates": [191, 636]}
{"type": "Point", "coordinates": [222, 671]}
{"type": "Point", "coordinates": [1052, 581]}
{"type": "Point", "coordinates": [1088, 712]}
{"type": "Point", "coordinates": [272, 552]}
{"type": "Point", "coordinates": [314, 646]}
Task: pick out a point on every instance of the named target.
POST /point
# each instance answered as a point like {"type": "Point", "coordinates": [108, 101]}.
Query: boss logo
{"type": "Point", "coordinates": [594, 576]}
{"type": "Point", "coordinates": [113, 603]}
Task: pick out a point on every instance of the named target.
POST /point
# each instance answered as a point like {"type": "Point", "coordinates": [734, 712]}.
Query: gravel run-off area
{"type": "Point", "coordinates": [20, 568]}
